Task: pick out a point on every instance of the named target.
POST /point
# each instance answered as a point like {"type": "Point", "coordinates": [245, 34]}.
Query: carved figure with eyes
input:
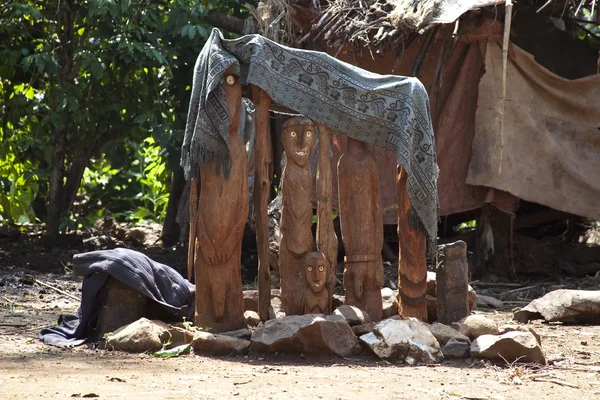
{"type": "Point", "coordinates": [219, 229]}
{"type": "Point", "coordinates": [297, 137]}
{"type": "Point", "coordinates": [317, 295]}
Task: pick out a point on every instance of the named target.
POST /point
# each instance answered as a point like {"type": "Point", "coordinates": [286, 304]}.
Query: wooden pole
{"type": "Point", "coordinates": [412, 266]}
{"type": "Point", "coordinates": [327, 240]}
{"type": "Point", "coordinates": [262, 188]}
{"type": "Point", "coordinates": [192, 235]}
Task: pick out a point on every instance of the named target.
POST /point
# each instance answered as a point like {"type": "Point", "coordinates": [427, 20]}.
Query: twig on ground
{"type": "Point", "coordinates": [521, 289]}
{"type": "Point", "coordinates": [496, 284]}
{"type": "Point", "coordinates": [69, 295]}
{"type": "Point", "coordinates": [556, 381]}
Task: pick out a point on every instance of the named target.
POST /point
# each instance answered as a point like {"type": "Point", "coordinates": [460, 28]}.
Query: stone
{"type": "Point", "coordinates": [461, 328]}
{"type": "Point", "coordinates": [243, 333]}
{"type": "Point", "coordinates": [488, 302]}
{"type": "Point", "coordinates": [353, 315]}
{"type": "Point", "coordinates": [563, 305]}
{"type": "Point", "coordinates": [252, 318]}
{"type": "Point", "coordinates": [139, 336]}
{"type": "Point", "coordinates": [456, 349]}
{"type": "Point", "coordinates": [310, 333]}
{"type": "Point", "coordinates": [275, 312]}
{"type": "Point", "coordinates": [443, 333]}
{"type": "Point", "coordinates": [390, 302]}
{"type": "Point", "coordinates": [452, 282]}
{"type": "Point", "coordinates": [431, 283]}
{"type": "Point", "coordinates": [472, 298]}
{"type": "Point", "coordinates": [511, 346]}
{"type": "Point", "coordinates": [180, 336]}
{"type": "Point", "coordinates": [123, 306]}
{"type": "Point", "coordinates": [360, 330]}
{"type": "Point", "coordinates": [479, 325]}
{"type": "Point", "coordinates": [251, 300]}
{"type": "Point", "coordinates": [407, 340]}
{"type": "Point", "coordinates": [219, 344]}
{"type": "Point", "coordinates": [337, 301]}
{"type": "Point", "coordinates": [520, 328]}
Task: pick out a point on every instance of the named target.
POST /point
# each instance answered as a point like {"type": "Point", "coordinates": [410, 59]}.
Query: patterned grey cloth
{"type": "Point", "coordinates": [384, 110]}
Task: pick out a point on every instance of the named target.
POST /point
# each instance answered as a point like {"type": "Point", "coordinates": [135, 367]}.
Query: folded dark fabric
{"type": "Point", "coordinates": [160, 283]}
{"type": "Point", "coordinates": [384, 110]}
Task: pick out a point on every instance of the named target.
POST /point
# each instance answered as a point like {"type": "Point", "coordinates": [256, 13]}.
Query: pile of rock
{"type": "Point", "coordinates": [345, 333]}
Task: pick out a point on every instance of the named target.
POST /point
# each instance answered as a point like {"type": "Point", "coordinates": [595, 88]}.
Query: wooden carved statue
{"type": "Point", "coordinates": [362, 228]}
{"type": "Point", "coordinates": [297, 137]}
{"type": "Point", "coordinates": [317, 292]}
{"type": "Point", "coordinates": [221, 216]}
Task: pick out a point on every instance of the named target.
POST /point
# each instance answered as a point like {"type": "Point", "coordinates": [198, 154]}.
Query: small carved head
{"type": "Point", "coordinates": [316, 270]}
{"type": "Point", "coordinates": [298, 138]}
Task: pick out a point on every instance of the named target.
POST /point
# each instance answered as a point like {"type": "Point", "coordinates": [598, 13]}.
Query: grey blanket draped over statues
{"type": "Point", "coordinates": [384, 110]}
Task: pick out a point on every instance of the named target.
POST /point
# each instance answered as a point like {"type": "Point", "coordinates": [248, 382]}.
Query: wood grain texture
{"type": "Point", "coordinates": [296, 241]}
{"type": "Point", "coordinates": [263, 162]}
{"type": "Point", "coordinates": [412, 267]}
{"type": "Point", "coordinates": [221, 217]}
{"type": "Point", "coordinates": [317, 299]}
{"type": "Point", "coordinates": [362, 228]}
{"type": "Point", "coordinates": [327, 241]}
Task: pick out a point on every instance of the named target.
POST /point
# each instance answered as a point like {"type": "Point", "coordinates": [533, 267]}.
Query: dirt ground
{"type": "Point", "coordinates": [29, 369]}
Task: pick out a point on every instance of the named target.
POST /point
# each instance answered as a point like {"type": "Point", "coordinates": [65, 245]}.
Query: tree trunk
{"type": "Point", "coordinates": [55, 201]}
{"type": "Point", "coordinates": [170, 231]}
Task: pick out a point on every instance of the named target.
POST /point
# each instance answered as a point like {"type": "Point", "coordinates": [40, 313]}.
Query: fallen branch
{"type": "Point", "coordinates": [495, 284]}
{"type": "Point", "coordinates": [556, 381]}
{"type": "Point", "coordinates": [520, 289]}
{"type": "Point", "coordinates": [69, 295]}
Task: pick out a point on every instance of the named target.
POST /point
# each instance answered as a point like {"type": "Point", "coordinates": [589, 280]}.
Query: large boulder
{"type": "Point", "coordinates": [478, 325]}
{"type": "Point", "coordinates": [310, 333]}
{"type": "Point", "coordinates": [219, 345]}
{"type": "Point", "coordinates": [408, 340]}
{"type": "Point", "coordinates": [139, 336]}
{"type": "Point", "coordinates": [443, 333]}
{"type": "Point", "coordinates": [520, 328]}
{"type": "Point", "coordinates": [512, 346]}
{"type": "Point", "coordinates": [353, 315]}
{"type": "Point", "coordinates": [563, 305]}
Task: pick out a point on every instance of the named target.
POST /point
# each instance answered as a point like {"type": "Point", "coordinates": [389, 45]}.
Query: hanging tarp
{"type": "Point", "coordinates": [549, 150]}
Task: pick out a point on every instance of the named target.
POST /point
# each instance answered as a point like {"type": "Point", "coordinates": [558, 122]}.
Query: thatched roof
{"type": "Point", "coordinates": [372, 22]}
{"type": "Point", "coordinates": [387, 24]}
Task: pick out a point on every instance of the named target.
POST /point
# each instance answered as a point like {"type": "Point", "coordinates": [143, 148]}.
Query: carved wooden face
{"type": "Point", "coordinates": [316, 271]}
{"type": "Point", "coordinates": [298, 138]}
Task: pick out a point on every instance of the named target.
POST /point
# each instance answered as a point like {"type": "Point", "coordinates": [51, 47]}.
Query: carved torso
{"type": "Point", "coordinates": [296, 218]}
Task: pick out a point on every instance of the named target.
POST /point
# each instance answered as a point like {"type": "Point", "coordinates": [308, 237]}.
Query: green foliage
{"type": "Point", "coordinates": [101, 80]}
{"type": "Point", "coordinates": [587, 31]}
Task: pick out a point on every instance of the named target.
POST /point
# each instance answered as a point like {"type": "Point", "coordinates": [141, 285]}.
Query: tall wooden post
{"type": "Point", "coordinates": [361, 224]}
{"type": "Point", "coordinates": [220, 220]}
{"type": "Point", "coordinates": [412, 266]}
{"type": "Point", "coordinates": [327, 240]}
{"type": "Point", "coordinates": [192, 236]}
{"type": "Point", "coordinates": [262, 185]}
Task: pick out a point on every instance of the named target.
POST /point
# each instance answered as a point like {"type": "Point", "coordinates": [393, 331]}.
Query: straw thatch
{"type": "Point", "coordinates": [374, 22]}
